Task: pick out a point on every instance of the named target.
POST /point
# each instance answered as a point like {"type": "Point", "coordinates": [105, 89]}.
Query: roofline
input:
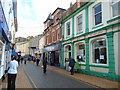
{"type": "Point", "coordinates": [57, 9]}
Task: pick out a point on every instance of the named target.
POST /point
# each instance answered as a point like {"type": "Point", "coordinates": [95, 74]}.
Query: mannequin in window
{"type": "Point", "coordinates": [79, 58]}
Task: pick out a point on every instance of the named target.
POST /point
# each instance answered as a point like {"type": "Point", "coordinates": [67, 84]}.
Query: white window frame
{"type": "Point", "coordinates": [112, 3]}
{"type": "Point", "coordinates": [83, 23]}
{"type": "Point", "coordinates": [78, 30]}
{"type": "Point", "coordinates": [97, 13]}
{"type": "Point", "coordinates": [91, 51]}
{"type": "Point", "coordinates": [65, 35]}
{"type": "Point", "coordinates": [75, 49]}
{"type": "Point", "coordinates": [67, 51]}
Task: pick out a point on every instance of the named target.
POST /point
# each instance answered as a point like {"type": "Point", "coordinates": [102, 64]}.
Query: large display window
{"type": "Point", "coordinates": [99, 51]}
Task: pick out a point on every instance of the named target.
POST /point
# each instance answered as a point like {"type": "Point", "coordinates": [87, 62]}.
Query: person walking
{"type": "Point", "coordinates": [37, 60]}
{"type": "Point", "coordinates": [12, 73]}
{"type": "Point", "coordinates": [71, 64]}
{"type": "Point", "coordinates": [44, 64]}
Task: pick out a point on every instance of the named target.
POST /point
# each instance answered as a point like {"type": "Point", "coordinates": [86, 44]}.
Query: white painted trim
{"type": "Point", "coordinates": [75, 54]}
{"type": "Point", "coordinates": [65, 34]}
{"type": "Point", "coordinates": [91, 48]}
{"type": "Point", "coordinates": [83, 22]}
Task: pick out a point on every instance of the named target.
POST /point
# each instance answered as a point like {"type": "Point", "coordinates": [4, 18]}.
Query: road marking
{"type": "Point", "coordinates": [31, 81]}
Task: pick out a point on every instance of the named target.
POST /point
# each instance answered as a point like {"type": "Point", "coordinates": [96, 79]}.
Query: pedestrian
{"type": "Point", "coordinates": [37, 61]}
{"type": "Point", "coordinates": [25, 60]}
{"type": "Point", "coordinates": [22, 59]}
{"type": "Point", "coordinates": [12, 73]}
{"type": "Point", "coordinates": [44, 64]}
{"type": "Point", "coordinates": [71, 64]}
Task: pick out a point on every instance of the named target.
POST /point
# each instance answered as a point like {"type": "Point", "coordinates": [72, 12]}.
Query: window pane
{"type": "Point", "coordinates": [103, 56]}
{"type": "Point", "coordinates": [98, 8]}
{"type": "Point", "coordinates": [68, 28]}
{"type": "Point", "coordinates": [99, 51]}
{"type": "Point", "coordinates": [81, 53]}
{"type": "Point", "coordinates": [79, 23]}
{"type": "Point", "coordinates": [98, 18]}
{"type": "Point", "coordinates": [116, 9]}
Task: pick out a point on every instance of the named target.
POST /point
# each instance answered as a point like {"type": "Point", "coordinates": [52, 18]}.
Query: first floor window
{"type": "Point", "coordinates": [53, 36]}
{"type": "Point", "coordinates": [68, 28]}
{"type": "Point", "coordinates": [79, 24]}
{"type": "Point", "coordinates": [98, 14]}
{"type": "Point", "coordinates": [99, 51]}
{"type": "Point", "coordinates": [115, 8]}
{"type": "Point", "coordinates": [58, 33]}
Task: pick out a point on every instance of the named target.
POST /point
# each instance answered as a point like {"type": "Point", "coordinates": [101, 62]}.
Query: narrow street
{"type": "Point", "coordinates": [51, 79]}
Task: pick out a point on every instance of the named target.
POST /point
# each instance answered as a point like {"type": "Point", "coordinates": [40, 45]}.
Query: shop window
{"type": "Point", "coordinates": [115, 8]}
{"type": "Point", "coordinates": [98, 14]}
{"type": "Point", "coordinates": [81, 53]}
{"type": "Point", "coordinates": [1, 49]}
{"type": "Point", "coordinates": [99, 51]}
{"type": "Point", "coordinates": [79, 24]}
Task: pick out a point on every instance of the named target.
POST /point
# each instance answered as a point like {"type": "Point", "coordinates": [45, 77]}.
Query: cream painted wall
{"type": "Point", "coordinates": [117, 52]}
{"type": "Point", "coordinates": [82, 67]}
{"type": "Point", "coordinates": [99, 69]}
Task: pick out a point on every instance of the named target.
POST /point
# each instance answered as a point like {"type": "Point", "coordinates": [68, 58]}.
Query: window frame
{"type": "Point", "coordinates": [78, 24]}
{"type": "Point", "coordinates": [94, 14]}
{"type": "Point", "coordinates": [76, 47]}
{"type": "Point", "coordinates": [68, 28]}
{"type": "Point", "coordinates": [58, 33]}
{"type": "Point", "coordinates": [53, 36]}
{"type": "Point", "coordinates": [113, 3]}
{"type": "Point", "coordinates": [92, 52]}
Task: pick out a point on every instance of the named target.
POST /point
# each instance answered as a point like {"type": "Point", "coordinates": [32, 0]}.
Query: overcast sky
{"type": "Point", "coordinates": [32, 13]}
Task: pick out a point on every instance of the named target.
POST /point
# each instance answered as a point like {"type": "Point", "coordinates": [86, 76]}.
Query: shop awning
{"type": "Point", "coordinates": [14, 53]}
{"type": "Point", "coordinates": [52, 48]}
{"type": "Point", "coordinates": [32, 47]}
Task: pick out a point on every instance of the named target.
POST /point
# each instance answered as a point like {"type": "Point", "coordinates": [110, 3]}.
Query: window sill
{"type": "Point", "coordinates": [99, 25]}
{"type": "Point", "coordinates": [79, 33]}
{"type": "Point", "coordinates": [100, 65]}
{"type": "Point", "coordinates": [113, 19]}
{"type": "Point", "coordinates": [82, 63]}
{"type": "Point", "coordinates": [68, 37]}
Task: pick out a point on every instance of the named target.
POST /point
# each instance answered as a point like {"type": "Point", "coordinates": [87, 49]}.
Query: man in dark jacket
{"type": "Point", "coordinates": [44, 64]}
{"type": "Point", "coordinates": [71, 64]}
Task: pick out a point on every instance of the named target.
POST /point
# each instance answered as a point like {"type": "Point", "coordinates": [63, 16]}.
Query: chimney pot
{"type": "Point", "coordinates": [78, 3]}
{"type": "Point", "coordinates": [70, 4]}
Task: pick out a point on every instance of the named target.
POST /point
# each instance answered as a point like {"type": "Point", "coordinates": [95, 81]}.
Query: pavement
{"type": "Point", "coordinates": [24, 81]}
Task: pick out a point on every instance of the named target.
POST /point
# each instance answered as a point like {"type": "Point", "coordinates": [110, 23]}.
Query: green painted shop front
{"type": "Point", "coordinates": [104, 69]}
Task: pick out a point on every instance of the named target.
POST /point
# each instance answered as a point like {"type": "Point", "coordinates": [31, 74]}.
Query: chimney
{"type": "Point", "coordinates": [78, 3]}
{"type": "Point", "coordinates": [70, 4]}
